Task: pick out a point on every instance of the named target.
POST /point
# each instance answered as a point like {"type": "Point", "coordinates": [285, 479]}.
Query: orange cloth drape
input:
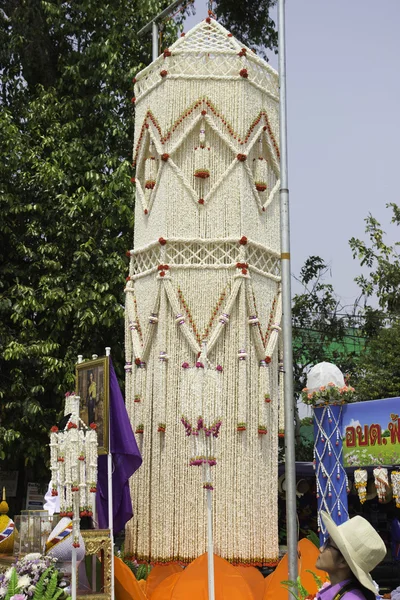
{"type": "Point", "coordinates": [164, 589]}
{"type": "Point", "coordinates": [193, 582]}
{"type": "Point", "coordinates": [158, 574]}
{"type": "Point", "coordinates": [126, 585]}
{"type": "Point", "coordinates": [308, 552]}
{"type": "Point", "coordinates": [254, 579]}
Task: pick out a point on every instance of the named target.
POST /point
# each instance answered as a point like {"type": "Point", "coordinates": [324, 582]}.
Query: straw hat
{"type": "Point", "coordinates": [361, 546]}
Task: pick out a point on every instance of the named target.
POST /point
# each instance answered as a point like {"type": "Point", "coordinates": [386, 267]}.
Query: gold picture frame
{"type": "Point", "coordinates": [92, 386]}
{"type": "Point", "coordinates": [98, 543]}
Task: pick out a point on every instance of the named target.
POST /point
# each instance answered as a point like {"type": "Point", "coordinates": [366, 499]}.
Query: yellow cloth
{"type": "Point", "coordinates": [6, 545]}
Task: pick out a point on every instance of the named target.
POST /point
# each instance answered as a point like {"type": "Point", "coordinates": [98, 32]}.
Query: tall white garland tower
{"type": "Point", "coordinates": [204, 286]}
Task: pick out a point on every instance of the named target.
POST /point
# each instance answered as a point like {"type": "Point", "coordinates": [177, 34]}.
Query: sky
{"type": "Point", "coordinates": [343, 94]}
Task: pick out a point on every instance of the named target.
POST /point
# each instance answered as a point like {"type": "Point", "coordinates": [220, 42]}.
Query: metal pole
{"type": "Point", "coordinates": [74, 574]}
{"type": "Point", "coordinates": [290, 465]}
{"type": "Point", "coordinates": [210, 538]}
{"type": "Point", "coordinates": [110, 497]}
{"type": "Point", "coordinates": [155, 40]}
{"type": "Point", "coordinates": [211, 582]}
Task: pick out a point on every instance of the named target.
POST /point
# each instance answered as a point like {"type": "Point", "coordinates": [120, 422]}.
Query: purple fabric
{"type": "Point", "coordinates": [330, 591]}
{"type": "Point", "coordinates": [126, 460]}
{"type": "Point", "coordinates": [395, 531]}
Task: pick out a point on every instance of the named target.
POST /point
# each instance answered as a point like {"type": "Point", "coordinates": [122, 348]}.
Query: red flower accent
{"type": "Point", "coordinates": [203, 112]}
{"type": "Point", "coordinates": [242, 52]}
{"type": "Point", "coordinates": [163, 73]}
{"type": "Point", "coordinates": [201, 201]}
{"type": "Point", "coordinates": [167, 52]}
{"type": "Point", "coordinates": [161, 429]}
{"type": "Point", "coordinates": [133, 100]}
{"type": "Point", "coordinates": [71, 425]}
{"type": "Point", "coordinates": [162, 273]}
{"type": "Point", "coordinates": [54, 429]}
{"type": "Point", "coordinates": [75, 488]}
{"type": "Point", "coordinates": [127, 278]}
{"type": "Point", "coordinates": [241, 265]}
{"type": "Point", "coordinates": [54, 493]}
{"type": "Point", "coordinates": [244, 271]}
{"type": "Point", "coordinates": [208, 20]}
{"type": "Point", "coordinates": [243, 240]}
{"type": "Point", "coordinates": [93, 426]}
{"type": "Point", "coordinates": [146, 211]}
{"type": "Point", "coordinates": [183, 34]}
{"type": "Point", "coordinates": [128, 253]}
{"type": "Point", "coordinates": [267, 399]}
{"type": "Point", "coordinates": [93, 489]}
{"type": "Point", "coordinates": [281, 434]}
{"type": "Point", "coordinates": [267, 359]}
{"type": "Point", "coordinates": [243, 73]}
{"type": "Point", "coordinates": [185, 365]}
{"type": "Point", "coordinates": [81, 457]}
{"type": "Point", "coordinates": [134, 80]}
{"type": "Point", "coordinates": [229, 35]}
{"type": "Point", "coordinates": [133, 180]}
{"type": "Point", "coordinates": [241, 428]}
{"type": "Point", "coordinates": [138, 362]}
{"type": "Point", "coordinates": [76, 545]}
{"type": "Point", "coordinates": [161, 241]}
{"type": "Point", "coordinates": [164, 157]}
{"type": "Point", "coordinates": [202, 174]}
{"type": "Point", "coordinates": [262, 430]}
{"type": "Point", "coordinates": [219, 368]}
{"type": "Point", "coordinates": [261, 187]}
{"type": "Point", "coordinates": [241, 157]}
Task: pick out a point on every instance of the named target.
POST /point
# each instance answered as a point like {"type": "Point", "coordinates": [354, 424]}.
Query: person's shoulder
{"type": "Point", "coordinates": [355, 594]}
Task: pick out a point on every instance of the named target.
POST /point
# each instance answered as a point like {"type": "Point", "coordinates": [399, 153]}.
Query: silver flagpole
{"type": "Point", "coordinates": [290, 465]}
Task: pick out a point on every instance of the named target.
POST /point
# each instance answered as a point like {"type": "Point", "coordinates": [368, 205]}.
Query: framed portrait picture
{"type": "Point", "coordinates": [92, 386]}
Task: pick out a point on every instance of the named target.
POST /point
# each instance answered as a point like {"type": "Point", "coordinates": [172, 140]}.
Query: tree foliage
{"type": "Point", "coordinates": [377, 371]}
{"type": "Point", "coordinates": [66, 200]}
{"type": "Point", "coordinates": [250, 22]}
{"type": "Point", "coordinates": [66, 130]}
{"type": "Point", "coordinates": [321, 325]}
{"type": "Point", "coordinates": [321, 329]}
{"type": "Point", "coordinates": [382, 261]}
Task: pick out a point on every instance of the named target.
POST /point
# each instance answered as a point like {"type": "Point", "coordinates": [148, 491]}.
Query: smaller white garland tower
{"type": "Point", "coordinates": [73, 463]}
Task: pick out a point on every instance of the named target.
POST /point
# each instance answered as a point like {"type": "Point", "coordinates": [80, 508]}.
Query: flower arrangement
{"type": "Point", "coordinates": [328, 394]}
{"type": "Point", "coordinates": [33, 577]}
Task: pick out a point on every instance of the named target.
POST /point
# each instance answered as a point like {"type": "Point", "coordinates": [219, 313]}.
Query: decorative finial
{"type": "Point", "coordinates": [4, 508]}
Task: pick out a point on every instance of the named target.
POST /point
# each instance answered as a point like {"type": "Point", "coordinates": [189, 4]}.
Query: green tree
{"type": "Point", "coordinates": [66, 201]}
{"type": "Point", "coordinates": [383, 264]}
{"type": "Point", "coordinates": [250, 22]}
{"type": "Point", "coordinates": [323, 330]}
{"type": "Point", "coordinates": [378, 369]}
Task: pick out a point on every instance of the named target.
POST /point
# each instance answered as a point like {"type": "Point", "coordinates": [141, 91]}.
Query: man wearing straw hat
{"type": "Point", "coordinates": [351, 551]}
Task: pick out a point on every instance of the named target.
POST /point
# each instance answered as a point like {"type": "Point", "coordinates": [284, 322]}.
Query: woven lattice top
{"type": "Point", "coordinates": [208, 50]}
